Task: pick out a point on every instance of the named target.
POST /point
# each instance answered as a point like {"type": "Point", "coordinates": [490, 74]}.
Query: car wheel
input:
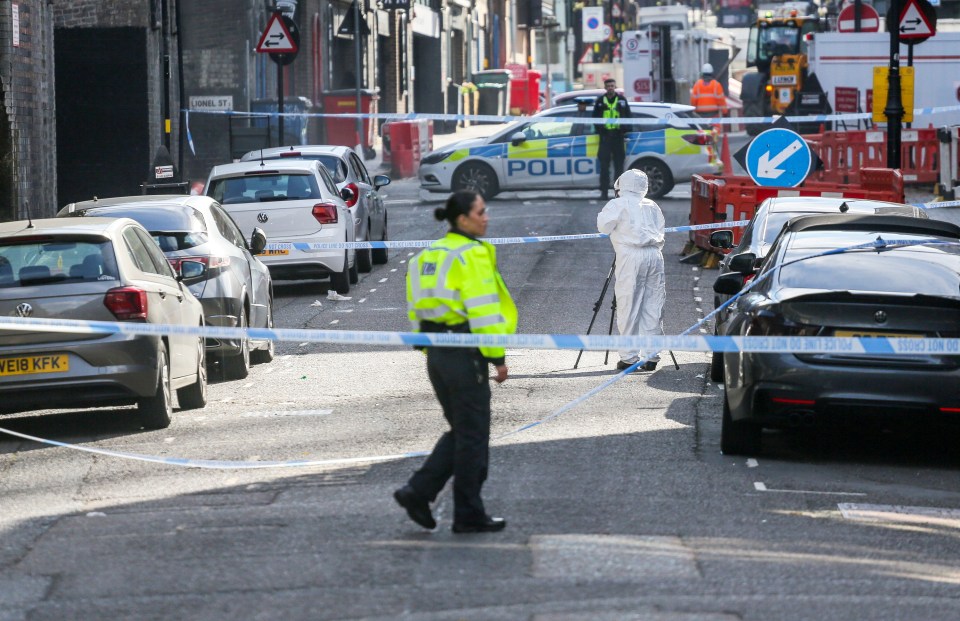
{"type": "Point", "coordinates": [237, 367]}
{"type": "Point", "coordinates": [155, 411]}
{"type": "Point", "coordinates": [716, 368]}
{"type": "Point", "coordinates": [340, 282]}
{"type": "Point", "coordinates": [194, 396]}
{"type": "Point", "coordinates": [659, 177]}
{"type": "Point", "coordinates": [380, 254]}
{"type": "Point", "coordinates": [264, 355]}
{"type": "Point", "coordinates": [364, 260]}
{"type": "Point", "coordinates": [354, 272]}
{"type": "Point", "coordinates": [738, 438]}
{"type": "Point", "coordinates": [477, 177]}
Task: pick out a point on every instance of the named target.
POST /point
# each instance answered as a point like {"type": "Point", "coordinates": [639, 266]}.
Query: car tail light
{"type": "Point", "coordinates": [700, 138]}
{"type": "Point", "coordinates": [747, 278]}
{"type": "Point", "coordinates": [325, 213]}
{"type": "Point", "coordinates": [294, 154]}
{"type": "Point", "coordinates": [356, 194]}
{"type": "Point", "coordinates": [950, 410]}
{"type": "Point", "coordinates": [786, 401]}
{"type": "Point", "coordinates": [126, 303]}
{"type": "Point", "coordinates": [768, 323]}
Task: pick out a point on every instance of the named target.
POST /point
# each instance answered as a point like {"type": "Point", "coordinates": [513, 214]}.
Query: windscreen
{"type": "Point", "coordinates": [924, 270]}
{"type": "Point", "coordinates": [264, 188]}
{"type": "Point", "coordinates": [173, 228]}
{"type": "Point", "coordinates": [27, 262]}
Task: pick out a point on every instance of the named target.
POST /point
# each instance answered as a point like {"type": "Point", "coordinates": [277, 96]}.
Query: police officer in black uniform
{"type": "Point", "coordinates": [611, 106]}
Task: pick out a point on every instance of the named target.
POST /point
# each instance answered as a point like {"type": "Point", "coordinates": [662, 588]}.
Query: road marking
{"type": "Point", "coordinates": [401, 201]}
{"type": "Point", "coordinates": [334, 322]}
{"type": "Point", "coordinates": [248, 385]}
{"type": "Point", "coordinates": [760, 487]}
{"type": "Point", "coordinates": [902, 514]}
{"type": "Point", "coordinates": [697, 299]}
{"type": "Point", "coordinates": [303, 344]}
{"type": "Point", "coordinates": [696, 269]}
{"type": "Point", "coordinates": [361, 300]}
{"type": "Point", "coordinates": [383, 280]}
{"type": "Point", "coordinates": [752, 463]}
{"type": "Point", "coordinates": [393, 270]}
{"type": "Point", "coordinates": [286, 413]}
{"type": "Point", "coordinates": [344, 310]}
{"type": "Point", "coordinates": [373, 290]}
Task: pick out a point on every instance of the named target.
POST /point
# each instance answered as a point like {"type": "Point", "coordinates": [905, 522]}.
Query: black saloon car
{"type": "Point", "coordinates": [901, 291]}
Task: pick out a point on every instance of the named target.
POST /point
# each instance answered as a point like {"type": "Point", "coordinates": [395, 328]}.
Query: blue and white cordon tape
{"type": "Point", "coordinates": [496, 241]}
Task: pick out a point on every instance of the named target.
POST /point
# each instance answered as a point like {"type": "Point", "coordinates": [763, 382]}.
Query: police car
{"type": "Point", "coordinates": [551, 150]}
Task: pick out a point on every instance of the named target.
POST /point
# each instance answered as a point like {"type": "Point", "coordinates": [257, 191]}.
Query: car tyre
{"type": "Point", "coordinates": [380, 254]}
{"type": "Point", "coordinates": [237, 367]}
{"type": "Point", "coordinates": [659, 177]}
{"type": "Point", "coordinates": [340, 282]}
{"type": "Point", "coordinates": [716, 367]}
{"type": "Point", "coordinates": [266, 354]}
{"type": "Point", "coordinates": [364, 260]}
{"type": "Point", "coordinates": [194, 396]}
{"type": "Point", "coordinates": [354, 272]}
{"type": "Point", "coordinates": [155, 411]}
{"type": "Point", "coordinates": [738, 438]}
{"type": "Point", "coordinates": [477, 177]}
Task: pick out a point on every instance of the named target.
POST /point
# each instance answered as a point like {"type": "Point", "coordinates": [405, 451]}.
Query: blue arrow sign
{"type": "Point", "coordinates": [778, 157]}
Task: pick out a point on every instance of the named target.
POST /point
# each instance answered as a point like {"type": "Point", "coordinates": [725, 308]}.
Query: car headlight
{"type": "Point", "coordinates": [436, 157]}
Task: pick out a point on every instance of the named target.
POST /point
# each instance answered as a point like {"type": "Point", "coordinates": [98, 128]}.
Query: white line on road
{"type": "Point", "coordinates": [361, 300]}
{"type": "Point", "coordinates": [373, 290]}
{"type": "Point", "coordinates": [383, 280]}
{"type": "Point", "coordinates": [278, 413]}
{"type": "Point", "coordinates": [760, 487]}
{"type": "Point", "coordinates": [334, 322]}
{"type": "Point", "coordinates": [752, 463]}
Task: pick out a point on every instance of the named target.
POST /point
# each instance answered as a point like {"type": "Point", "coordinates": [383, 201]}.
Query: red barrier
{"type": "Point", "coordinates": [845, 154]}
{"type": "Point", "coordinates": [730, 198]}
{"type": "Point", "coordinates": [405, 148]}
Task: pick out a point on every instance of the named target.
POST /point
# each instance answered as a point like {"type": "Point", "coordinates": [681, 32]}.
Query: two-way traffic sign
{"type": "Point", "coordinates": [778, 157]}
{"type": "Point", "coordinates": [915, 23]}
{"type": "Point", "coordinates": [276, 38]}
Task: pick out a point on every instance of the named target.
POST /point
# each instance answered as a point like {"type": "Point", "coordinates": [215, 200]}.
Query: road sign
{"type": "Point", "coordinates": [916, 21]}
{"type": "Point", "coordinates": [778, 157]}
{"type": "Point", "coordinates": [869, 19]}
{"type": "Point", "coordinates": [276, 38]}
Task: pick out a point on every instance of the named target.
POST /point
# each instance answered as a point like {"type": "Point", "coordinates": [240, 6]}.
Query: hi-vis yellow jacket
{"type": "Point", "coordinates": [455, 281]}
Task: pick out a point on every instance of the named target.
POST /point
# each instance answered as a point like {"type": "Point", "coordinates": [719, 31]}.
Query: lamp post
{"type": "Point", "coordinates": [549, 23]}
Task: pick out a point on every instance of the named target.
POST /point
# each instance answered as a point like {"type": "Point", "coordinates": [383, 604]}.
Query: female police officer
{"type": "Point", "coordinates": [454, 286]}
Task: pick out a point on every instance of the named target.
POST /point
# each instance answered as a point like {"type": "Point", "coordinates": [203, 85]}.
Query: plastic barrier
{"type": "Point", "coordinates": [426, 138]}
{"type": "Point", "coordinates": [845, 154]}
{"type": "Point", "coordinates": [728, 198]}
{"type": "Point", "coordinates": [405, 147]}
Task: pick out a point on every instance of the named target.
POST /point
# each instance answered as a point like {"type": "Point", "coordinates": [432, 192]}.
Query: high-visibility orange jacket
{"type": "Point", "coordinates": [708, 97]}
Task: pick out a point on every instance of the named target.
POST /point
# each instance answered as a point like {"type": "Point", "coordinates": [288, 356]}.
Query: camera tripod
{"type": "Point", "coordinates": [613, 313]}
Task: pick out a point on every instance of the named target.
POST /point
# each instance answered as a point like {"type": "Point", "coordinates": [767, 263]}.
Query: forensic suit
{"type": "Point", "coordinates": [635, 226]}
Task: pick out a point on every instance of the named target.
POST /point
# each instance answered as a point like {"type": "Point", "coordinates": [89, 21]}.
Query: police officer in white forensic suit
{"type": "Point", "coordinates": [635, 226]}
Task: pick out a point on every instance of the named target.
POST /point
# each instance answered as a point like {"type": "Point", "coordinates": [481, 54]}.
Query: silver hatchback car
{"type": "Point", "coordinates": [96, 269]}
{"type": "Point", "coordinates": [362, 197]}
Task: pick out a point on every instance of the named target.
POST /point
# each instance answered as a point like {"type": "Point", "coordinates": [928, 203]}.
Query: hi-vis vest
{"type": "Point", "coordinates": [708, 96]}
{"type": "Point", "coordinates": [456, 280]}
{"type": "Point", "coordinates": [611, 112]}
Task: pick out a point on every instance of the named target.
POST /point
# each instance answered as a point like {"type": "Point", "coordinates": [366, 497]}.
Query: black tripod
{"type": "Point", "coordinates": [613, 313]}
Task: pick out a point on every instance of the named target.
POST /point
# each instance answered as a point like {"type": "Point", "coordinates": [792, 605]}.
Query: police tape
{"type": "Point", "coordinates": [937, 205]}
{"type": "Point", "coordinates": [872, 344]}
{"type": "Point", "coordinates": [496, 241]}
{"type": "Point", "coordinates": [669, 119]}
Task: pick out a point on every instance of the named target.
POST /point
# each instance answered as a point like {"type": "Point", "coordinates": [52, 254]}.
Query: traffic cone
{"type": "Point", "coordinates": [725, 156]}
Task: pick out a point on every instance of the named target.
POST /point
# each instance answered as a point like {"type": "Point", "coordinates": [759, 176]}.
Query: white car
{"type": "Point", "coordinates": [553, 151]}
{"type": "Point", "coordinates": [348, 172]}
{"type": "Point", "coordinates": [296, 203]}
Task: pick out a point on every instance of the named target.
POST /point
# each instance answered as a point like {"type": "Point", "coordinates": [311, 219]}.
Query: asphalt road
{"type": "Point", "coordinates": [621, 507]}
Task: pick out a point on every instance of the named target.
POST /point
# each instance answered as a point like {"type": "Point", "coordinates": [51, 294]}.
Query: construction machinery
{"type": "Point", "coordinates": [783, 82]}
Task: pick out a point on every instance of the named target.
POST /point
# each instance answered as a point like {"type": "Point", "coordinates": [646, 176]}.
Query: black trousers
{"type": "Point", "coordinates": [611, 149]}
{"type": "Point", "coordinates": [460, 381]}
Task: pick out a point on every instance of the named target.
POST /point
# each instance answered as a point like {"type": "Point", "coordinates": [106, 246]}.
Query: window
{"type": "Point", "coordinates": [359, 169]}
{"type": "Point", "coordinates": [228, 227]}
{"type": "Point", "coordinates": [276, 186]}
{"type": "Point", "coordinates": [157, 258]}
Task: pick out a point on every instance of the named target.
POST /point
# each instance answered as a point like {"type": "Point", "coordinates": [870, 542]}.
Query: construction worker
{"type": "Point", "coordinates": [454, 286]}
{"type": "Point", "coordinates": [635, 226]}
{"type": "Point", "coordinates": [707, 94]}
{"type": "Point", "coordinates": [611, 106]}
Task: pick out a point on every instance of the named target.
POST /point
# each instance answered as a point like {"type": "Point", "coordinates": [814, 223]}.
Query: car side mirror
{"type": "Point", "coordinates": [380, 180]}
{"type": "Point", "coordinates": [728, 284]}
{"type": "Point", "coordinates": [721, 239]}
{"type": "Point", "coordinates": [517, 139]}
{"type": "Point", "coordinates": [743, 263]}
{"type": "Point", "coordinates": [347, 194]}
{"type": "Point", "coordinates": [258, 241]}
{"type": "Point", "coordinates": [190, 270]}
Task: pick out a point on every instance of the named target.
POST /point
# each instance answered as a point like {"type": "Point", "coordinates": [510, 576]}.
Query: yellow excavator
{"type": "Point", "coordinates": [781, 84]}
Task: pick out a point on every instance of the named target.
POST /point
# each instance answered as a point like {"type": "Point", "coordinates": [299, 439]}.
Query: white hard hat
{"type": "Point", "coordinates": [707, 68]}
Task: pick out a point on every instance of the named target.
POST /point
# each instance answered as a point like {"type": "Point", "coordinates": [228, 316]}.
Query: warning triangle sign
{"type": "Point", "coordinates": [276, 38]}
{"type": "Point", "coordinates": [914, 23]}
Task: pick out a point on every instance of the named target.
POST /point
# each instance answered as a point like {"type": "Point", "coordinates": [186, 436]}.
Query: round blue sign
{"type": "Point", "coordinates": [593, 23]}
{"type": "Point", "coordinates": [778, 157]}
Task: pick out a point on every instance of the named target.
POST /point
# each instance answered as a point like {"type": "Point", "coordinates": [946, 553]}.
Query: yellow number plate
{"type": "Point", "coordinates": [273, 253]}
{"type": "Point", "coordinates": [54, 363]}
{"type": "Point", "coordinates": [868, 334]}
